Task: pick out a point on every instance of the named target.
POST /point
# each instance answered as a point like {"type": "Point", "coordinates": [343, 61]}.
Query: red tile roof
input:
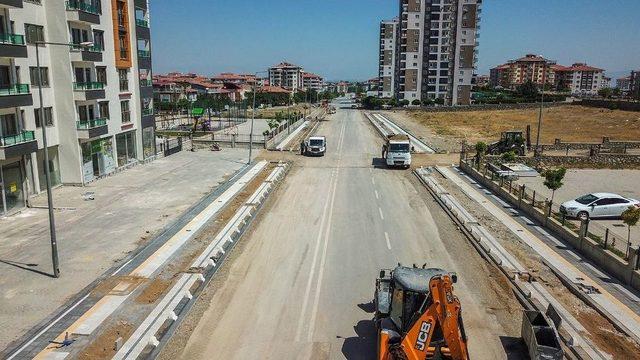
{"type": "Point", "coordinates": [274, 89]}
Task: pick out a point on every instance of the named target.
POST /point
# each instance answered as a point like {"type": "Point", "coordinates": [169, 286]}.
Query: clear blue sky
{"type": "Point", "coordinates": [339, 38]}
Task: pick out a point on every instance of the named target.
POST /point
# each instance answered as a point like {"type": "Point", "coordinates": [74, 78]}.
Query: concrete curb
{"type": "Point", "coordinates": [148, 338]}
{"type": "Point", "coordinates": [490, 249]}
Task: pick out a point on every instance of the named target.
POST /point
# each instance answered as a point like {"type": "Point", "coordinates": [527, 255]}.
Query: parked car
{"type": "Point", "coordinates": [597, 205]}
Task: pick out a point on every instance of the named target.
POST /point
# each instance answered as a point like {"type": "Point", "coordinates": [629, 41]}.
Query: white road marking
{"type": "Point", "coordinates": [316, 301]}
{"type": "Point", "coordinates": [377, 196]}
{"type": "Point", "coordinates": [381, 215]}
{"type": "Point", "coordinates": [373, 181]}
{"type": "Point", "coordinates": [313, 263]}
{"type": "Point", "coordinates": [386, 237]}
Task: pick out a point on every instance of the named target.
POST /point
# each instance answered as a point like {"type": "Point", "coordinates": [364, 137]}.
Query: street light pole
{"type": "Point", "coordinates": [47, 174]}
{"type": "Point", "coordinates": [253, 112]}
{"type": "Point", "coordinates": [540, 118]}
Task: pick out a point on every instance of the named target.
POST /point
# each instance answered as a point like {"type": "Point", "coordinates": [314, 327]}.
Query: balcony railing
{"type": "Point", "coordinates": [78, 47]}
{"type": "Point", "coordinates": [90, 124]}
{"type": "Point", "coordinates": [144, 53]}
{"type": "Point", "coordinates": [147, 112]}
{"type": "Point", "coordinates": [13, 39]}
{"type": "Point", "coordinates": [82, 6]}
{"type": "Point", "coordinates": [93, 85]}
{"type": "Point", "coordinates": [16, 89]}
{"type": "Point", "coordinates": [142, 23]}
{"type": "Point", "coordinates": [23, 137]}
{"type": "Point", "coordinates": [146, 82]}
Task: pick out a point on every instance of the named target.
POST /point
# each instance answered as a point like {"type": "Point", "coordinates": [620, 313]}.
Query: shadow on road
{"type": "Point", "coordinates": [362, 346]}
{"type": "Point", "coordinates": [379, 163]}
{"type": "Point", "coordinates": [26, 266]}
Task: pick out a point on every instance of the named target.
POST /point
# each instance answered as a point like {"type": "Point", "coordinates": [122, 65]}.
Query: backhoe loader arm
{"type": "Point", "coordinates": [442, 312]}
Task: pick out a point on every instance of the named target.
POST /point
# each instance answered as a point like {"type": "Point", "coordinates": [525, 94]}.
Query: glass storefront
{"type": "Point", "coordinates": [148, 142]}
{"type": "Point", "coordinates": [54, 168]}
{"type": "Point", "coordinates": [126, 146]}
{"type": "Point", "coordinates": [97, 158]}
{"type": "Point", "coordinates": [13, 195]}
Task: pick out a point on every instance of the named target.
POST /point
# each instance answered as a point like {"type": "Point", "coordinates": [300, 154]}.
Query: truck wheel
{"type": "Point", "coordinates": [583, 215]}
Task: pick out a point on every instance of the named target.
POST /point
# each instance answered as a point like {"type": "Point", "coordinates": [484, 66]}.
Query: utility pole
{"type": "Point", "coordinates": [540, 117]}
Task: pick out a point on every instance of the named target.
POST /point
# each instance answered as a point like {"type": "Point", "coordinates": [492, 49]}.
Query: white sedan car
{"type": "Point", "coordinates": [597, 205]}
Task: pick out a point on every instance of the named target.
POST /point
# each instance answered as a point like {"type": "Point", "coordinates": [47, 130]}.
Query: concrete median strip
{"type": "Point", "coordinates": [291, 136]}
{"type": "Point", "coordinates": [603, 301]}
{"type": "Point", "coordinates": [519, 275]}
{"type": "Point", "coordinates": [98, 313]}
{"type": "Point", "coordinates": [390, 126]}
{"type": "Point", "coordinates": [146, 334]}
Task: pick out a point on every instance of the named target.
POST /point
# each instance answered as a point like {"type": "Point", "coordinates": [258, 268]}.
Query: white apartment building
{"type": "Point", "coordinates": [312, 81]}
{"type": "Point", "coordinates": [286, 75]}
{"type": "Point", "coordinates": [387, 61]}
{"type": "Point", "coordinates": [97, 97]}
{"type": "Point", "coordinates": [581, 79]}
{"type": "Point", "coordinates": [436, 50]}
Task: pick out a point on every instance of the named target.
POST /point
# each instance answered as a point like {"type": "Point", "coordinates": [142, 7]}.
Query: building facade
{"type": "Point", "coordinates": [286, 75]}
{"type": "Point", "coordinates": [96, 93]}
{"type": "Point", "coordinates": [624, 84]}
{"type": "Point", "coordinates": [634, 84]}
{"type": "Point", "coordinates": [387, 61]}
{"type": "Point", "coordinates": [436, 50]}
{"type": "Point", "coordinates": [580, 79]}
{"type": "Point", "coordinates": [312, 82]}
{"type": "Point", "coordinates": [531, 67]}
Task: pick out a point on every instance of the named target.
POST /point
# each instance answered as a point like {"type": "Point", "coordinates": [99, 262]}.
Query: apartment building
{"type": "Point", "coordinates": [387, 61]}
{"type": "Point", "coordinates": [96, 92]}
{"type": "Point", "coordinates": [634, 84]}
{"type": "Point", "coordinates": [312, 81]}
{"type": "Point", "coordinates": [436, 50]}
{"type": "Point", "coordinates": [580, 79]}
{"type": "Point", "coordinates": [530, 67]}
{"type": "Point", "coordinates": [624, 84]}
{"type": "Point", "coordinates": [286, 75]}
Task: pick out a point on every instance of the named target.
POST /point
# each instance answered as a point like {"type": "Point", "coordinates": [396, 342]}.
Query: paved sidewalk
{"type": "Point", "coordinates": [94, 235]}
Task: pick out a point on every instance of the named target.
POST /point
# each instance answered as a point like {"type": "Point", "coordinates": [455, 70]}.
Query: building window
{"type": "Point", "coordinates": [34, 33]}
{"type": "Point", "coordinates": [48, 115]}
{"type": "Point", "coordinates": [122, 42]}
{"type": "Point", "coordinates": [44, 74]}
{"type": "Point", "coordinates": [123, 75]}
{"type": "Point", "coordinates": [98, 39]}
{"type": "Point", "coordinates": [103, 107]}
{"type": "Point", "coordinates": [101, 74]}
{"type": "Point", "coordinates": [125, 111]}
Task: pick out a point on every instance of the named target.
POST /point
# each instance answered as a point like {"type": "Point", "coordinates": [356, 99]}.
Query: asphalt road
{"type": "Point", "coordinates": [303, 283]}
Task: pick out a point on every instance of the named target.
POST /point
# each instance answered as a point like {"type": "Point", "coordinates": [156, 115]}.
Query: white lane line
{"type": "Point", "coordinates": [377, 196]}
{"type": "Point", "coordinates": [47, 328]}
{"type": "Point", "coordinates": [381, 215]}
{"type": "Point", "coordinates": [316, 301]}
{"type": "Point", "coordinates": [313, 263]}
{"type": "Point", "coordinates": [386, 237]}
{"type": "Point", "coordinates": [373, 181]}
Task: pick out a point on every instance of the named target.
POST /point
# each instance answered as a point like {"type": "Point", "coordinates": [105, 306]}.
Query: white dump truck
{"type": "Point", "coordinates": [397, 151]}
{"type": "Point", "coordinates": [314, 146]}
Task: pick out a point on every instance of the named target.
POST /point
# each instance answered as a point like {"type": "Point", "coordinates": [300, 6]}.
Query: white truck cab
{"type": "Point", "coordinates": [397, 151]}
{"type": "Point", "coordinates": [314, 145]}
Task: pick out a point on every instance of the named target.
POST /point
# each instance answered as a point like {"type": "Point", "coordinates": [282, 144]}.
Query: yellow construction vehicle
{"type": "Point", "coordinates": [418, 316]}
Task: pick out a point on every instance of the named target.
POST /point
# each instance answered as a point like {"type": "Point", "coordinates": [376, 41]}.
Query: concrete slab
{"type": "Point", "coordinates": [91, 320]}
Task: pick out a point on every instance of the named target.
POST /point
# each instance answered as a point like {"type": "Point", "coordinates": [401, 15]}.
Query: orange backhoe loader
{"type": "Point", "coordinates": [418, 316]}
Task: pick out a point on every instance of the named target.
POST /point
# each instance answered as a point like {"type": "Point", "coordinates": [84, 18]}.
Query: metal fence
{"type": "Point", "coordinates": [603, 235]}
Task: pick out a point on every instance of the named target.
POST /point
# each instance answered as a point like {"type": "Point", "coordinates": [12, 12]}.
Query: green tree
{"type": "Point", "coordinates": [509, 156]}
{"type": "Point", "coordinates": [553, 179]}
{"type": "Point", "coordinates": [439, 101]}
{"type": "Point", "coordinates": [616, 92]}
{"type": "Point", "coordinates": [416, 102]}
{"type": "Point", "coordinates": [392, 102]}
{"type": "Point", "coordinates": [371, 103]}
{"type": "Point", "coordinates": [481, 149]}
{"type": "Point", "coordinates": [404, 102]}
{"type": "Point", "coordinates": [528, 90]}
{"type": "Point", "coordinates": [630, 217]}
{"type": "Point", "coordinates": [605, 92]}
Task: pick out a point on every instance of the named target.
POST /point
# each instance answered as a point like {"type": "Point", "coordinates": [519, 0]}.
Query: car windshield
{"type": "Point", "coordinates": [586, 199]}
{"type": "Point", "coordinates": [316, 142]}
{"type": "Point", "coordinates": [399, 148]}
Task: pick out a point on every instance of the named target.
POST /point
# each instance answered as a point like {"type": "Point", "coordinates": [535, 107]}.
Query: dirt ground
{"type": "Point", "coordinates": [601, 331]}
{"type": "Point", "coordinates": [570, 123]}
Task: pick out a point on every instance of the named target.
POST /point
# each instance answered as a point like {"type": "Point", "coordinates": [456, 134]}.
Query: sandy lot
{"type": "Point", "coordinates": [569, 123]}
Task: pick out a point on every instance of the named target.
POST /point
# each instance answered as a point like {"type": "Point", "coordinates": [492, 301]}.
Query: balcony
{"type": "Point", "coordinates": [142, 23]}
{"type": "Point", "coordinates": [144, 59]}
{"type": "Point", "coordinates": [146, 54]}
{"type": "Point", "coordinates": [16, 4]}
{"type": "Point", "coordinates": [12, 45]}
{"type": "Point", "coordinates": [90, 129]}
{"type": "Point", "coordinates": [81, 53]}
{"type": "Point", "coordinates": [142, 29]}
{"type": "Point", "coordinates": [82, 12]}
{"type": "Point", "coordinates": [19, 144]}
{"type": "Point", "coordinates": [15, 96]}
{"type": "Point", "coordinates": [84, 91]}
